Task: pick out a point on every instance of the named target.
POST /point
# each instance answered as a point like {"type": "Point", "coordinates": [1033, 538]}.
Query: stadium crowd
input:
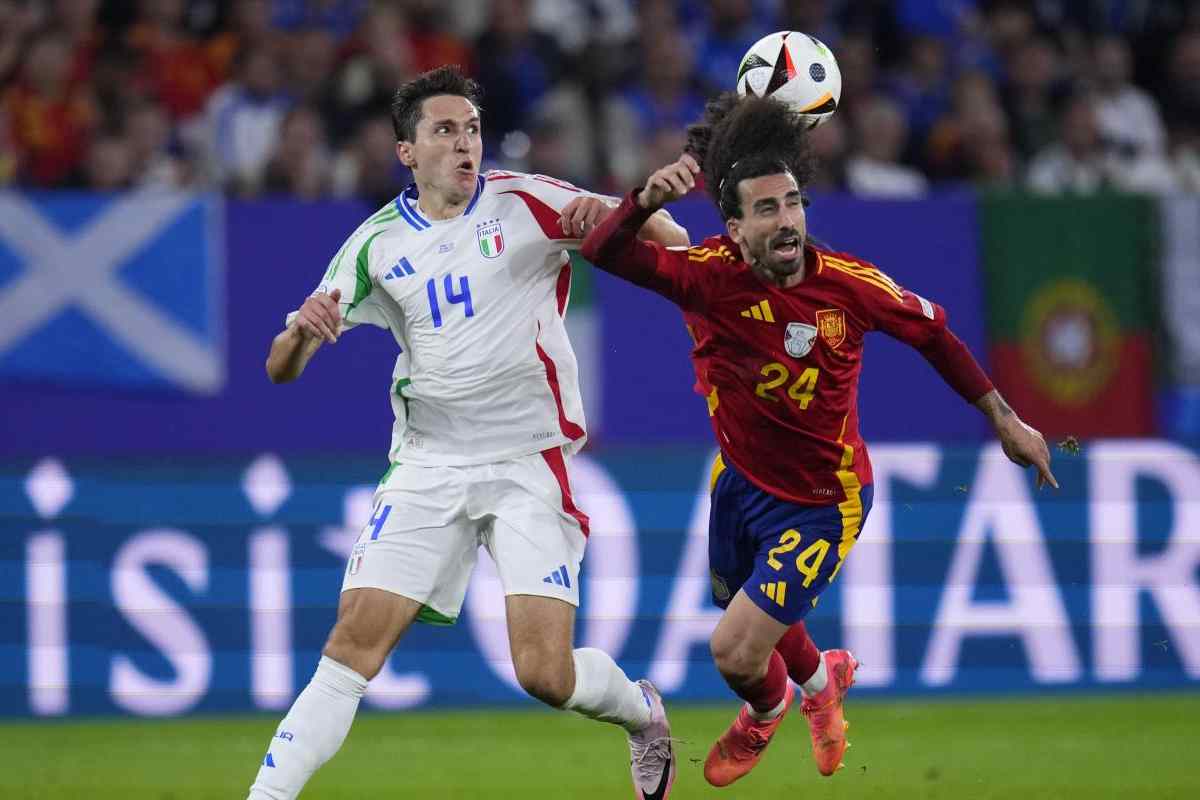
{"type": "Point", "coordinates": [291, 96]}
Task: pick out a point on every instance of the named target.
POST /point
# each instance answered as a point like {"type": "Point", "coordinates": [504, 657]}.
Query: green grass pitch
{"type": "Point", "coordinates": [1029, 747]}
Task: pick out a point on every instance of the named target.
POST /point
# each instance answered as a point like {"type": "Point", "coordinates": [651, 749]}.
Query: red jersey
{"type": "Point", "coordinates": [779, 367]}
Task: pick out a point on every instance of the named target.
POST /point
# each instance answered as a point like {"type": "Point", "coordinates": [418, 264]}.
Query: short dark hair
{"type": "Point", "coordinates": [409, 98]}
{"type": "Point", "coordinates": [747, 137]}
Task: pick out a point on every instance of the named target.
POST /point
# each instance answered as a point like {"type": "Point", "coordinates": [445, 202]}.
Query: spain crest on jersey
{"type": "Point", "coordinates": [832, 324]}
{"type": "Point", "coordinates": [798, 339]}
{"type": "Point", "coordinates": [491, 238]}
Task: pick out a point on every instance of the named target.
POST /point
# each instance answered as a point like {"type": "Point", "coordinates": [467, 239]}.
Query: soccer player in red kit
{"type": "Point", "coordinates": [778, 324]}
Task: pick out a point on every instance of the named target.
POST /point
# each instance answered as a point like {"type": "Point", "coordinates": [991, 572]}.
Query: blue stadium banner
{"type": "Point", "coordinates": [158, 588]}
{"type": "Point", "coordinates": [118, 291]}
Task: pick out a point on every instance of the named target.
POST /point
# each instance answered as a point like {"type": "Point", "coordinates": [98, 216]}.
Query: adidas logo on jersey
{"type": "Point", "coordinates": [776, 591]}
{"type": "Point", "coordinates": [401, 269]}
{"type": "Point", "coordinates": [760, 311]}
{"type": "Point", "coordinates": [559, 577]}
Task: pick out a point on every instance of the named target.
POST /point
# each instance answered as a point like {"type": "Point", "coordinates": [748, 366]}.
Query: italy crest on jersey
{"type": "Point", "coordinates": [832, 323]}
{"type": "Point", "coordinates": [798, 339]}
{"type": "Point", "coordinates": [491, 238]}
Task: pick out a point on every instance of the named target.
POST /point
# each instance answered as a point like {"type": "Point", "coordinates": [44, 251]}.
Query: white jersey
{"type": "Point", "coordinates": [476, 304]}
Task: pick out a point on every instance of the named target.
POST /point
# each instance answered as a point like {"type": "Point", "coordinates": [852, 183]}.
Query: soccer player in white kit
{"type": "Point", "coordinates": [470, 274]}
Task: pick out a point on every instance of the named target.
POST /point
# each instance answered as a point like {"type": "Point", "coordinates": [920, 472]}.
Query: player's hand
{"type": "Point", "coordinates": [583, 214]}
{"type": "Point", "coordinates": [320, 317]}
{"type": "Point", "coordinates": [669, 183]}
{"type": "Point", "coordinates": [1025, 446]}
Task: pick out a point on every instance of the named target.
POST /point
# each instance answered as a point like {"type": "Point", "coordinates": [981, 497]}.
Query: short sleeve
{"type": "Point", "coordinates": [545, 197]}
{"type": "Point", "coordinates": [350, 272]}
{"type": "Point", "coordinates": [900, 313]}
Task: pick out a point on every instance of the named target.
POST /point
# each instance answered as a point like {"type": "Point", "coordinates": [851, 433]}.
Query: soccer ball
{"type": "Point", "coordinates": [795, 68]}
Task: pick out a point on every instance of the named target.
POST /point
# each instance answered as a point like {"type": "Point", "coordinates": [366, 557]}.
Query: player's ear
{"type": "Point", "coordinates": [733, 226]}
{"type": "Point", "coordinates": [404, 152]}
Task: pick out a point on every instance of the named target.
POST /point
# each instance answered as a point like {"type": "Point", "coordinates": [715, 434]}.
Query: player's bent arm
{"type": "Point", "coordinates": [614, 247]}
{"type": "Point", "coordinates": [662, 228]}
{"type": "Point", "coordinates": [290, 354]}
{"type": "Point", "coordinates": [1021, 443]}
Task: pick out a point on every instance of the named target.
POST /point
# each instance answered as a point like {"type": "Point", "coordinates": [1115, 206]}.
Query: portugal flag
{"type": "Point", "coordinates": [1071, 304]}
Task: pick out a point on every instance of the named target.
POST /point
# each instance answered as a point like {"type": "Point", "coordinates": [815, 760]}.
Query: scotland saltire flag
{"type": "Point", "coordinates": [116, 290]}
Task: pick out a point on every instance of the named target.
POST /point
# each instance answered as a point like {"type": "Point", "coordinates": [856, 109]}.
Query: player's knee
{"type": "Point", "coordinates": [357, 653]}
{"type": "Point", "coordinates": [736, 664]}
{"type": "Point", "coordinates": [543, 681]}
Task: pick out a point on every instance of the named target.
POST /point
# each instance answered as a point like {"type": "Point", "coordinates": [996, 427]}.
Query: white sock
{"type": "Point", "coordinates": [766, 716]}
{"type": "Point", "coordinates": [818, 680]}
{"type": "Point", "coordinates": [603, 692]}
{"type": "Point", "coordinates": [311, 733]}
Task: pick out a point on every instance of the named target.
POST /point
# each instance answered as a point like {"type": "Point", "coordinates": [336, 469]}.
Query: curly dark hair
{"type": "Point", "coordinates": [409, 98]}
{"type": "Point", "coordinates": [748, 137]}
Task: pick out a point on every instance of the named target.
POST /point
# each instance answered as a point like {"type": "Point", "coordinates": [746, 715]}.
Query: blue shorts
{"type": "Point", "coordinates": [782, 554]}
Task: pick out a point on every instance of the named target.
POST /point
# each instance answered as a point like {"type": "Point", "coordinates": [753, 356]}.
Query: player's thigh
{"type": "Point", "coordinates": [369, 623]}
{"type": "Point", "coordinates": [419, 542]}
{"type": "Point", "coordinates": [538, 534]}
{"type": "Point", "coordinates": [540, 633]}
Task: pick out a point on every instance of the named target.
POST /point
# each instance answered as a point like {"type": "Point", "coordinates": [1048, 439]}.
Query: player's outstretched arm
{"type": "Point", "coordinates": [318, 321]}
{"type": "Point", "coordinates": [1022, 443]}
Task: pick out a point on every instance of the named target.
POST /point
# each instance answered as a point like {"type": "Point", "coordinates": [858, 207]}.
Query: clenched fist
{"type": "Point", "coordinates": [320, 317]}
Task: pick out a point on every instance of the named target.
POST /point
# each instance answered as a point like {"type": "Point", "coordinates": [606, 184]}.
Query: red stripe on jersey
{"type": "Point", "coordinates": [558, 466]}
{"type": "Point", "coordinates": [546, 216]}
{"type": "Point", "coordinates": [563, 289]}
{"type": "Point", "coordinates": [569, 428]}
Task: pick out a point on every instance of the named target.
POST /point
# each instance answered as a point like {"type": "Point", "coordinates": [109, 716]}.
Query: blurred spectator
{"type": "Point", "coordinates": [874, 169]}
{"type": "Point", "coordinates": [732, 28]}
{"type": "Point", "coordinates": [174, 68]}
{"type": "Point", "coordinates": [365, 83]}
{"type": "Point", "coordinates": [856, 59]}
{"type": "Point", "coordinates": [517, 67]}
{"type": "Point", "coordinates": [432, 38]}
{"type": "Point", "coordinates": [17, 21]}
{"type": "Point", "coordinates": [829, 144]}
{"type": "Point", "coordinates": [920, 87]}
{"type": "Point", "coordinates": [1077, 163]}
{"type": "Point", "coordinates": [1128, 117]}
{"type": "Point", "coordinates": [662, 97]}
{"type": "Point", "coordinates": [300, 166]}
{"type": "Point", "coordinates": [972, 140]}
{"type": "Point", "coordinates": [76, 20]}
{"type": "Point", "coordinates": [249, 26]}
{"type": "Point", "coordinates": [243, 120]}
{"type": "Point", "coordinates": [310, 65]}
{"type": "Point", "coordinates": [340, 17]}
{"type": "Point", "coordinates": [369, 168]}
{"type": "Point", "coordinates": [1083, 162]}
{"type": "Point", "coordinates": [148, 134]}
{"type": "Point", "coordinates": [1030, 96]}
{"type": "Point", "coordinates": [49, 117]}
{"type": "Point", "coordinates": [1181, 97]}
{"type": "Point", "coordinates": [109, 164]}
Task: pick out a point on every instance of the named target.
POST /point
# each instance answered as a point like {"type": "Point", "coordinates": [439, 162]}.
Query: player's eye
{"type": "Point", "coordinates": [443, 129]}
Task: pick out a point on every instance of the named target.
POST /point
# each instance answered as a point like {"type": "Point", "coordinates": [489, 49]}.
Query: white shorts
{"type": "Point", "coordinates": [428, 523]}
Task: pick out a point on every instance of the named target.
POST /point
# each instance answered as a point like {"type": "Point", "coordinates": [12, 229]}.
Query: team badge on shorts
{"type": "Point", "coordinates": [719, 588]}
{"type": "Point", "coordinates": [798, 339]}
{"type": "Point", "coordinates": [832, 324]}
{"type": "Point", "coordinates": [491, 238]}
{"type": "Point", "coordinates": [356, 557]}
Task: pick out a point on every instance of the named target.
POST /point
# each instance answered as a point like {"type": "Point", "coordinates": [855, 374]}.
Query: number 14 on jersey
{"type": "Point", "coordinates": [462, 295]}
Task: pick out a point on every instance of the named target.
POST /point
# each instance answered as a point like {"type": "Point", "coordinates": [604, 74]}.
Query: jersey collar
{"type": "Point", "coordinates": [407, 205]}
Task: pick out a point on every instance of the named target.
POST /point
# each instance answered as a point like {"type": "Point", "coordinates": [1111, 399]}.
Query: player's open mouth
{"type": "Point", "coordinates": [465, 168]}
{"type": "Point", "coordinates": [788, 247]}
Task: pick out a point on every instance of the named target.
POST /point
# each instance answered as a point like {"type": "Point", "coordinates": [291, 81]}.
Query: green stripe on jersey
{"type": "Point", "coordinates": [362, 286]}
{"type": "Point", "coordinates": [383, 216]}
